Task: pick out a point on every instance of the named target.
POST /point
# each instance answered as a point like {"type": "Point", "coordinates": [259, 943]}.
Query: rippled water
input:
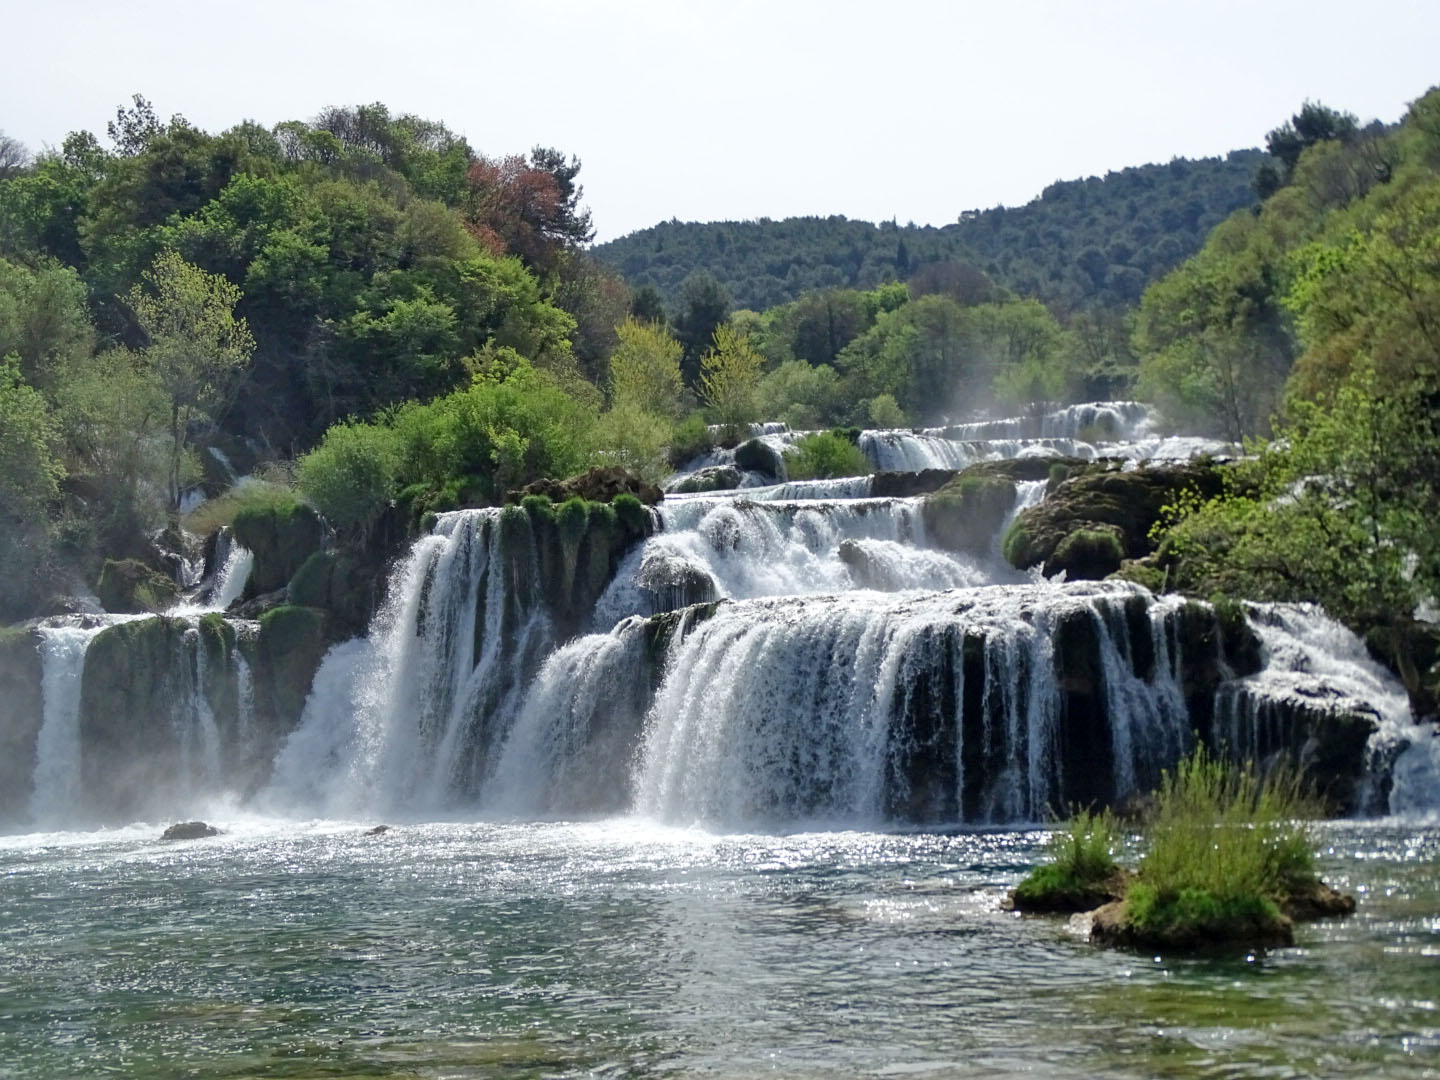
{"type": "Point", "coordinates": [622, 949]}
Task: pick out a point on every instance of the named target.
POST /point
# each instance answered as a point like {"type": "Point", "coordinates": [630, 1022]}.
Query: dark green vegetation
{"type": "Point", "coordinates": [1082, 873]}
{"type": "Point", "coordinates": [1227, 862]}
{"type": "Point", "coordinates": [1081, 241]}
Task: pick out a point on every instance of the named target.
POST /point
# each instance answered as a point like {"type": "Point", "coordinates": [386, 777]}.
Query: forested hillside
{"type": "Point", "coordinates": [1097, 241]}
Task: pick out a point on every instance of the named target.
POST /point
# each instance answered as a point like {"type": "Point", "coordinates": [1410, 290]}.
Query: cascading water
{"type": "Point", "coordinates": [798, 652]}
{"type": "Point", "coordinates": [405, 719]}
{"type": "Point", "coordinates": [57, 785]}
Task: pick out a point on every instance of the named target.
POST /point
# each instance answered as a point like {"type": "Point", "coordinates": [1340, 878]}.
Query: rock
{"type": "Point", "coordinates": [20, 690]}
{"type": "Point", "coordinates": [756, 455]}
{"type": "Point", "coordinates": [1108, 926]}
{"type": "Point", "coordinates": [257, 606]}
{"type": "Point", "coordinates": [378, 830]}
{"type": "Point", "coordinates": [1087, 554]}
{"type": "Point", "coordinates": [710, 478]}
{"type": "Point", "coordinates": [281, 538]}
{"type": "Point", "coordinates": [905, 485]}
{"type": "Point", "coordinates": [966, 513]}
{"type": "Point", "coordinates": [1316, 900]}
{"type": "Point", "coordinates": [128, 586]}
{"type": "Point", "coordinates": [1126, 504]}
{"type": "Point", "coordinates": [189, 830]}
{"type": "Point", "coordinates": [1086, 896]}
{"type": "Point", "coordinates": [1411, 649]}
{"type": "Point", "coordinates": [342, 585]}
{"type": "Point", "coordinates": [600, 484]}
{"type": "Point", "coordinates": [292, 642]}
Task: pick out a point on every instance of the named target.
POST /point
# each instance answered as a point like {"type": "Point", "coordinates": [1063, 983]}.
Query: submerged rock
{"type": "Point", "coordinates": [378, 830]}
{"type": "Point", "coordinates": [189, 830]}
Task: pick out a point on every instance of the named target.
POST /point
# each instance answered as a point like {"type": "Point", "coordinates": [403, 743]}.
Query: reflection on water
{"type": "Point", "coordinates": [620, 949]}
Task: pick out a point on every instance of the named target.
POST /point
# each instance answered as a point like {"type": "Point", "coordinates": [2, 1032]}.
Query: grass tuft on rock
{"type": "Point", "coordinates": [1082, 872]}
{"type": "Point", "coordinates": [1227, 848]}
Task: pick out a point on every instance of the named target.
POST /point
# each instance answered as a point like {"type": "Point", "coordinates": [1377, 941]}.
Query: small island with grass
{"type": "Point", "coordinates": [1226, 861]}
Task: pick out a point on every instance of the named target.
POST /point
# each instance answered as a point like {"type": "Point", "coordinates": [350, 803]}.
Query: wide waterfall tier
{"type": "Point", "coordinates": [993, 705]}
{"type": "Point", "coordinates": [1117, 429]}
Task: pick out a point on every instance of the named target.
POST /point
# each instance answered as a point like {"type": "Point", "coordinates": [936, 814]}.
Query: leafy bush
{"type": "Point", "coordinates": [691, 438]}
{"type": "Point", "coordinates": [351, 476]}
{"type": "Point", "coordinates": [253, 495]}
{"type": "Point", "coordinates": [1223, 841]}
{"type": "Point", "coordinates": [1082, 865]}
{"type": "Point", "coordinates": [823, 456]}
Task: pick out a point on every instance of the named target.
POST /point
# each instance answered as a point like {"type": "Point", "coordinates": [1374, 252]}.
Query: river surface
{"type": "Point", "coordinates": [624, 949]}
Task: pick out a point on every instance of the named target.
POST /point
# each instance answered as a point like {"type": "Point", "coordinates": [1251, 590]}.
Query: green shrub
{"type": "Point", "coordinates": [1223, 840]}
{"type": "Point", "coordinates": [690, 439]}
{"type": "Point", "coordinates": [352, 475]}
{"type": "Point", "coordinates": [1081, 868]}
{"type": "Point", "coordinates": [885, 412]}
{"type": "Point", "coordinates": [632, 514]}
{"type": "Point", "coordinates": [1015, 545]}
{"type": "Point", "coordinates": [823, 456]}
{"type": "Point", "coordinates": [1087, 553]}
{"type": "Point", "coordinates": [252, 496]}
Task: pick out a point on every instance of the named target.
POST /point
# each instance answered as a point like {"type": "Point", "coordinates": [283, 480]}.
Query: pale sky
{"type": "Point", "coordinates": [704, 111]}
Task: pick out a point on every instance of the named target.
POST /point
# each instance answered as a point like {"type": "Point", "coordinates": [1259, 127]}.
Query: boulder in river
{"type": "Point", "coordinates": [189, 830]}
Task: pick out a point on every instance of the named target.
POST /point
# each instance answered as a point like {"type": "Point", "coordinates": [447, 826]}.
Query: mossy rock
{"type": "Point", "coordinates": [21, 669]}
{"type": "Point", "coordinates": [1411, 650]}
{"type": "Point", "coordinates": [1127, 503]}
{"type": "Point", "coordinates": [292, 642]}
{"type": "Point", "coordinates": [1087, 554]}
{"type": "Point", "coordinates": [1195, 922]}
{"type": "Point", "coordinates": [281, 539]}
{"type": "Point", "coordinates": [1049, 890]}
{"type": "Point", "coordinates": [342, 585]}
{"type": "Point", "coordinates": [712, 478]}
{"type": "Point", "coordinates": [1143, 572]}
{"type": "Point", "coordinates": [966, 513]}
{"type": "Point", "coordinates": [905, 485]}
{"type": "Point", "coordinates": [601, 484]}
{"type": "Point", "coordinates": [756, 455]}
{"type": "Point", "coordinates": [129, 587]}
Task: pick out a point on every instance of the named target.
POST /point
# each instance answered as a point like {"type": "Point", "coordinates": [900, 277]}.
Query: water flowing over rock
{"type": "Point", "coordinates": [849, 652]}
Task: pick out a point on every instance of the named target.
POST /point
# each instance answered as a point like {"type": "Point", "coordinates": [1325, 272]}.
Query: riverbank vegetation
{"type": "Point", "coordinates": [378, 314]}
{"type": "Point", "coordinates": [1227, 857]}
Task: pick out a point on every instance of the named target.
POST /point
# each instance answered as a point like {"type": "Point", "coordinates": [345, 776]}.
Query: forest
{"type": "Point", "coordinates": [373, 317]}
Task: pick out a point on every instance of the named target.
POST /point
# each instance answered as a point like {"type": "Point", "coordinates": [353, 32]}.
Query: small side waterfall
{"type": "Point", "coordinates": [407, 718]}
{"type": "Point", "coordinates": [57, 783]}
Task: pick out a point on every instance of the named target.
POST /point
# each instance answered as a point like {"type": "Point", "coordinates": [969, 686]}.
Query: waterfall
{"type": "Point", "coordinates": [57, 788]}
{"type": "Point", "coordinates": [406, 718]}
{"type": "Point", "coordinates": [713, 548]}
{"type": "Point", "coordinates": [948, 706]}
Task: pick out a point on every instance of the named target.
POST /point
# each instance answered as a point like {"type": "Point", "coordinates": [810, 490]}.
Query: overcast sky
{"type": "Point", "coordinates": [909, 109]}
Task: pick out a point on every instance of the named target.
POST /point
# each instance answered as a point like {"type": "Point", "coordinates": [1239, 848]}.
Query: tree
{"type": "Point", "coordinates": [133, 128]}
{"type": "Point", "coordinates": [13, 156]}
{"type": "Point", "coordinates": [528, 208]}
{"type": "Point", "coordinates": [645, 369]}
{"type": "Point", "coordinates": [29, 482]}
{"type": "Point", "coordinates": [1314, 123]}
{"type": "Point", "coordinates": [730, 374]}
{"type": "Point", "coordinates": [704, 306]}
{"type": "Point", "coordinates": [195, 347]}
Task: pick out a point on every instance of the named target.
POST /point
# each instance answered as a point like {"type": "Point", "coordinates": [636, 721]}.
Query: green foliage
{"type": "Point", "coordinates": [885, 412]}
{"type": "Point", "coordinates": [730, 376]}
{"type": "Point", "coordinates": [690, 439]}
{"type": "Point", "coordinates": [645, 369]}
{"type": "Point", "coordinates": [352, 475]}
{"type": "Point", "coordinates": [254, 497]}
{"type": "Point", "coordinates": [1082, 855]}
{"type": "Point", "coordinates": [1226, 832]}
{"type": "Point", "coordinates": [1139, 222]}
{"type": "Point", "coordinates": [1096, 550]}
{"type": "Point", "coordinates": [637, 440]}
{"type": "Point", "coordinates": [30, 474]}
{"type": "Point", "coordinates": [801, 395]}
{"type": "Point", "coordinates": [823, 456]}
